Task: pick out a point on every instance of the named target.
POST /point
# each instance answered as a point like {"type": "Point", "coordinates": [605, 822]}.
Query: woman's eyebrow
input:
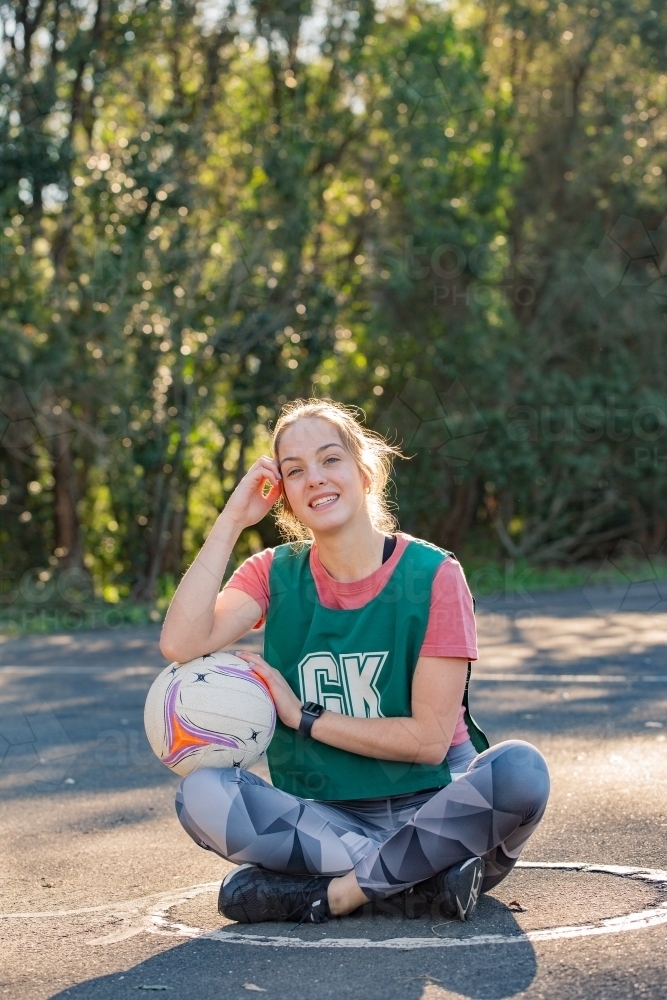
{"type": "Point", "coordinates": [323, 447]}
{"type": "Point", "coordinates": [332, 444]}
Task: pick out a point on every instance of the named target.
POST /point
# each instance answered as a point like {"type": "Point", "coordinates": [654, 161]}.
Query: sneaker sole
{"type": "Point", "coordinates": [465, 907]}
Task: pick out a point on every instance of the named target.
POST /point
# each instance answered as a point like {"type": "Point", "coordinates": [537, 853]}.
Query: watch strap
{"type": "Point", "coordinates": [309, 713]}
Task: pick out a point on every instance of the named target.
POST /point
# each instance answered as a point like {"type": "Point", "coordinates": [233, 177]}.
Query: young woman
{"type": "Point", "coordinates": [383, 785]}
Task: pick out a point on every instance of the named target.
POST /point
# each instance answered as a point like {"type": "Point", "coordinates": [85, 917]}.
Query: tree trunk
{"type": "Point", "coordinates": [173, 556]}
{"type": "Point", "coordinates": [69, 550]}
{"type": "Point", "coordinates": [460, 516]}
{"type": "Point", "coordinates": [146, 588]}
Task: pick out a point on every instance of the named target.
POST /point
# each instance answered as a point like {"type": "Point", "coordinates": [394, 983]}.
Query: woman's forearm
{"type": "Point", "coordinates": [399, 738]}
{"type": "Point", "coordinates": [424, 737]}
{"type": "Point", "coordinates": [189, 620]}
{"type": "Point", "coordinates": [189, 623]}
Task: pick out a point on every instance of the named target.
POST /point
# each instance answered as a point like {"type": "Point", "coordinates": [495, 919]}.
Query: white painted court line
{"type": "Point", "coordinates": [634, 921]}
{"type": "Point", "coordinates": [571, 678]}
{"type": "Point", "coordinates": [36, 671]}
{"type": "Point", "coordinates": [150, 915]}
{"type": "Point", "coordinates": [652, 917]}
{"type": "Point", "coordinates": [146, 915]}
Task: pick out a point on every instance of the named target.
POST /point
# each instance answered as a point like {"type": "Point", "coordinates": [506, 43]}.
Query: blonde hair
{"type": "Point", "coordinates": [372, 453]}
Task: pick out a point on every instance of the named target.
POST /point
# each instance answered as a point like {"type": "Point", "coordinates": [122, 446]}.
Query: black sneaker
{"type": "Point", "coordinates": [250, 895]}
{"type": "Point", "coordinates": [453, 892]}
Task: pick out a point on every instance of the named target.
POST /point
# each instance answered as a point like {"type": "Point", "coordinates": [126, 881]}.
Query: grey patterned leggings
{"type": "Point", "coordinates": [489, 810]}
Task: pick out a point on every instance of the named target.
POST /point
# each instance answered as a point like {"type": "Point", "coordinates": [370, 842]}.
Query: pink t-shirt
{"type": "Point", "coordinates": [451, 623]}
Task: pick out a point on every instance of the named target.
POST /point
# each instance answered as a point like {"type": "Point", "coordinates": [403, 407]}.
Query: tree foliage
{"type": "Point", "coordinates": [208, 211]}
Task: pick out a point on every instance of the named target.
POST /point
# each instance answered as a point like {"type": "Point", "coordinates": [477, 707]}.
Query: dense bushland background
{"type": "Point", "coordinates": [449, 215]}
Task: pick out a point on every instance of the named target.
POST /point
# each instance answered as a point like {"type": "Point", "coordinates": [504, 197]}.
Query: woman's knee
{"type": "Point", "coordinates": [520, 777]}
{"type": "Point", "coordinates": [208, 781]}
{"type": "Point", "coordinates": [195, 794]}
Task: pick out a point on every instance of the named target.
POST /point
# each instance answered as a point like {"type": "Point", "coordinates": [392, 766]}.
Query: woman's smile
{"type": "Point", "coordinates": [323, 501]}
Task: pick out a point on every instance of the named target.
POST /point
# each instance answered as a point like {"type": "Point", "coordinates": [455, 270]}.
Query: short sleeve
{"type": "Point", "coordinates": [252, 577]}
{"type": "Point", "coordinates": [451, 629]}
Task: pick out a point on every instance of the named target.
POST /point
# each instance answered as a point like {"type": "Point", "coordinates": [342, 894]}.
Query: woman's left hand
{"type": "Point", "coordinates": [288, 705]}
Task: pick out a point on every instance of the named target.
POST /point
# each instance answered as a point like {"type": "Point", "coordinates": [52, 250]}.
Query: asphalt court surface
{"type": "Point", "coordinates": [103, 895]}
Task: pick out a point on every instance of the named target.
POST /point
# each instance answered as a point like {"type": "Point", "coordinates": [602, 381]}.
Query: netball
{"type": "Point", "coordinates": [213, 711]}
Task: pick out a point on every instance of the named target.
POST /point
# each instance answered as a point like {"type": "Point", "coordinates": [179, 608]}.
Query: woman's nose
{"type": "Point", "coordinates": [316, 477]}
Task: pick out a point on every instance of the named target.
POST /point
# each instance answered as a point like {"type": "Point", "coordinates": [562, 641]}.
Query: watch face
{"type": "Point", "coordinates": [312, 708]}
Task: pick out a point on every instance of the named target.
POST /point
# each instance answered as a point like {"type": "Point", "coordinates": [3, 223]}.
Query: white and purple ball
{"type": "Point", "coordinates": [214, 711]}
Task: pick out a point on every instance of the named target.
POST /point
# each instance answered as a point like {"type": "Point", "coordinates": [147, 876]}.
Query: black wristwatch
{"type": "Point", "coordinates": [309, 712]}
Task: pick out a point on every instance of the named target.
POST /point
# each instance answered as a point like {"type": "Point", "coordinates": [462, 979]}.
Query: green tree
{"type": "Point", "coordinates": [204, 215]}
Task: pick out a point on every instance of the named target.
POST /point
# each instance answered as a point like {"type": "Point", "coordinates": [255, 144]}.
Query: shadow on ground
{"type": "Point", "coordinates": [71, 712]}
{"type": "Point", "coordinates": [210, 969]}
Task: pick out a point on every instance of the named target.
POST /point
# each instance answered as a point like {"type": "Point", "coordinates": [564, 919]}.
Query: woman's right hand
{"type": "Point", "coordinates": [248, 504]}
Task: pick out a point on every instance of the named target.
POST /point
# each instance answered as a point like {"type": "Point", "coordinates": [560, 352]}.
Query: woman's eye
{"type": "Point", "coordinates": [291, 471]}
{"type": "Point", "coordinates": [331, 458]}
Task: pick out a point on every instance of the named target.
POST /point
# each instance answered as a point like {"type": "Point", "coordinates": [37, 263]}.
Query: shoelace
{"type": "Point", "coordinates": [308, 912]}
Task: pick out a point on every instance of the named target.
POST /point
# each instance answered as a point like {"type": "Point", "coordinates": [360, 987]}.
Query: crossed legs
{"type": "Point", "coordinates": [490, 811]}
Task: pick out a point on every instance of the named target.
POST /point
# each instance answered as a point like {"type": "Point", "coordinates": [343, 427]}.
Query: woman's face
{"type": "Point", "coordinates": [322, 482]}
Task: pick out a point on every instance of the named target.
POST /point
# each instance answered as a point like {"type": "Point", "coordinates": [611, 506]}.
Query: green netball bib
{"type": "Point", "coordinates": [359, 663]}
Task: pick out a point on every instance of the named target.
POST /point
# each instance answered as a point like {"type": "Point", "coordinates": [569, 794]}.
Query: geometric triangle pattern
{"type": "Point", "coordinates": [489, 811]}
